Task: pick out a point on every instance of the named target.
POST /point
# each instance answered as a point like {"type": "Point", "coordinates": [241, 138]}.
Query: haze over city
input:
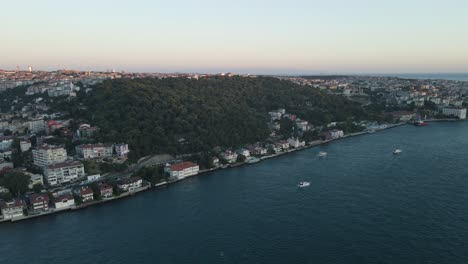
{"type": "Point", "coordinates": [260, 37]}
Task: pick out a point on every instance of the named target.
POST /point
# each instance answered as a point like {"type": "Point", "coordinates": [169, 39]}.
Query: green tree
{"type": "Point", "coordinates": [17, 182]}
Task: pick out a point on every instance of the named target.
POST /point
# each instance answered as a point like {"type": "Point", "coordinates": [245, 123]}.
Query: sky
{"type": "Point", "coordinates": [258, 37]}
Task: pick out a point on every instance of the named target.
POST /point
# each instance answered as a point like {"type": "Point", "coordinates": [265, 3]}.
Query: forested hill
{"type": "Point", "coordinates": [179, 115]}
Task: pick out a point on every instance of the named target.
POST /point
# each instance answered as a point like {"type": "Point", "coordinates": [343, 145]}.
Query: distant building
{"type": "Point", "coordinates": [12, 209]}
{"type": "Point", "coordinates": [86, 131]}
{"type": "Point", "coordinates": [39, 202]}
{"type": "Point", "coordinates": [86, 194]}
{"type": "Point", "coordinates": [335, 133]}
{"type": "Point", "coordinates": [130, 184]}
{"type": "Point", "coordinates": [64, 172]}
{"type": "Point", "coordinates": [37, 125]}
{"type": "Point", "coordinates": [121, 150]}
{"type": "Point", "coordinates": [35, 179]}
{"type": "Point", "coordinates": [457, 112]}
{"type": "Point", "coordinates": [5, 165]}
{"type": "Point", "coordinates": [182, 169]}
{"type": "Point", "coordinates": [6, 143]}
{"type": "Point", "coordinates": [244, 152]}
{"type": "Point", "coordinates": [106, 190]}
{"type": "Point", "coordinates": [25, 145]}
{"type": "Point", "coordinates": [64, 201]}
{"type": "Point", "coordinates": [92, 151]}
{"type": "Point", "coordinates": [229, 156]}
{"type": "Point", "coordinates": [296, 143]}
{"type": "Point", "coordinates": [47, 155]}
{"type": "Point", "coordinates": [403, 116]}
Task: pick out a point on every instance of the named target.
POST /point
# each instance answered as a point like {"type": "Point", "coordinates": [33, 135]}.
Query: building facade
{"type": "Point", "coordinates": [47, 155]}
{"type": "Point", "coordinates": [92, 151]}
{"type": "Point", "coordinates": [182, 170]}
{"type": "Point", "coordinates": [457, 112]}
{"type": "Point", "coordinates": [64, 172]}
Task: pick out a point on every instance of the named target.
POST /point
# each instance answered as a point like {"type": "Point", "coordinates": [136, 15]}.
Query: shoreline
{"type": "Point", "coordinates": [150, 186]}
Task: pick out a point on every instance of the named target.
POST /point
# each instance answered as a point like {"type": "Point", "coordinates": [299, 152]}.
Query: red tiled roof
{"type": "Point", "coordinates": [62, 197]}
{"type": "Point", "coordinates": [40, 197]}
{"type": "Point", "coordinates": [85, 191]}
{"type": "Point", "coordinates": [182, 166]}
{"type": "Point", "coordinates": [64, 164]}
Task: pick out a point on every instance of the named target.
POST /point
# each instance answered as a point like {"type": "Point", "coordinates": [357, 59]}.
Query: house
{"type": "Point", "coordinates": [47, 155]}
{"type": "Point", "coordinates": [86, 194]}
{"type": "Point", "coordinates": [12, 209]}
{"type": "Point", "coordinates": [64, 201]}
{"type": "Point", "coordinates": [215, 161]}
{"type": "Point", "coordinates": [64, 172]}
{"type": "Point", "coordinates": [105, 190]}
{"type": "Point", "coordinates": [284, 144]}
{"type": "Point", "coordinates": [403, 116]}
{"type": "Point", "coordinates": [86, 131]}
{"type": "Point", "coordinates": [39, 202]}
{"type": "Point", "coordinates": [130, 184]}
{"type": "Point", "coordinates": [35, 179]}
{"type": "Point", "coordinates": [229, 156]}
{"type": "Point", "coordinates": [258, 150]}
{"type": "Point", "coordinates": [5, 165]}
{"type": "Point", "coordinates": [25, 145]}
{"type": "Point", "coordinates": [182, 169]}
{"type": "Point", "coordinates": [296, 143]}
{"type": "Point", "coordinates": [6, 143]}
{"type": "Point", "coordinates": [92, 151]}
{"type": "Point", "coordinates": [243, 152]}
{"type": "Point", "coordinates": [121, 150]}
{"type": "Point", "coordinates": [335, 133]}
{"type": "Point", "coordinates": [276, 147]}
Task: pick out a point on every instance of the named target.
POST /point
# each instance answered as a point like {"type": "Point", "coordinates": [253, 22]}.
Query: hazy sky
{"type": "Point", "coordinates": [303, 36]}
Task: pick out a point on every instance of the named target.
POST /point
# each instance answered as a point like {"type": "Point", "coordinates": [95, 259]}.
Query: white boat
{"type": "Point", "coordinates": [397, 151]}
{"type": "Point", "coordinates": [303, 184]}
{"type": "Point", "coordinates": [322, 154]}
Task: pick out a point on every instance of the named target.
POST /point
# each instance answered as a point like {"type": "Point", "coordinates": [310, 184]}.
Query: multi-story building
{"type": "Point", "coordinates": [64, 201]}
{"type": "Point", "coordinates": [92, 151]}
{"type": "Point", "coordinates": [229, 156]}
{"type": "Point", "coordinates": [182, 169]}
{"type": "Point", "coordinates": [86, 194]}
{"type": "Point", "coordinates": [296, 143]}
{"type": "Point", "coordinates": [6, 143]}
{"type": "Point", "coordinates": [457, 112]}
{"type": "Point", "coordinates": [64, 172]}
{"type": "Point", "coordinates": [47, 155]}
{"type": "Point", "coordinates": [106, 190]}
{"type": "Point", "coordinates": [130, 184]}
{"type": "Point", "coordinates": [121, 150]}
{"type": "Point", "coordinates": [37, 125]}
{"type": "Point", "coordinates": [12, 209]}
{"type": "Point", "coordinates": [39, 202]}
{"type": "Point", "coordinates": [25, 145]}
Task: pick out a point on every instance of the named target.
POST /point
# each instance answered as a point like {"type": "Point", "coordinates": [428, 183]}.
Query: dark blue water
{"type": "Point", "coordinates": [364, 206]}
{"type": "Point", "coordinates": [433, 76]}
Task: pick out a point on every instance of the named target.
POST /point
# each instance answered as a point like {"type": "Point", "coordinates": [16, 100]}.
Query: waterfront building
{"type": "Point", "coordinates": [457, 112]}
{"type": "Point", "coordinates": [130, 184]}
{"type": "Point", "coordinates": [229, 156]}
{"type": "Point", "coordinates": [182, 169]}
{"type": "Point", "coordinates": [244, 152]}
{"type": "Point", "coordinates": [215, 161]}
{"type": "Point", "coordinates": [92, 151]}
{"type": "Point", "coordinates": [86, 194]}
{"type": "Point", "coordinates": [39, 202]}
{"type": "Point", "coordinates": [336, 133]}
{"type": "Point", "coordinates": [47, 155]}
{"type": "Point", "coordinates": [296, 143]}
{"type": "Point", "coordinates": [64, 172]}
{"type": "Point", "coordinates": [284, 144]}
{"type": "Point", "coordinates": [105, 190]}
{"type": "Point", "coordinates": [64, 201]}
{"type": "Point", "coordinates": [12, 209]}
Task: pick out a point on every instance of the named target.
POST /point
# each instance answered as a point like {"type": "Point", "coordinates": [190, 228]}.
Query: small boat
{"type": "Point", "coordinates": [303, 184]}
{"type": "Point", "coordinates": [252, 160]}
{"type": "Point", "coordinates": [420, 123]}
{"type": "Point", "coordinates": [397, 151]}
{"type": "Point", "coordinates": [322, 154]}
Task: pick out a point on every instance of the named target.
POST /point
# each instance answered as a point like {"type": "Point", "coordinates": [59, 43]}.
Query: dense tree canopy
{"type": "Point", "coordinates": [180, 115]}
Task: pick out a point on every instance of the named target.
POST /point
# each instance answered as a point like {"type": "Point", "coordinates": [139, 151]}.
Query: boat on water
{"type": "Point", "coordinates": [397, 151]}
{"type": "Point", "coordinates": [303, 184]}
{"type": "Point", "coordinates": [322, 154]}
{"type": "Point", "coordinates": [252, 160]}
{"type": "Point", "coordinates": [420, 123]}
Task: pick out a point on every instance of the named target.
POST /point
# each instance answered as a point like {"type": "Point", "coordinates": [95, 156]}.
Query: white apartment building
{"type": "Point", "coordinates": [64, 172]}
{"type": "Point", "coordinates": [36, 126]}
{"type": "Point", "coordinates": [457, 112]}
{"type": "Point", "coordinates": [25, 145]}
{"type": "Point", "coordinates": [47, 155]}
{"type": "Point", "coordinates": [12, 209]}
{"type": "Point", "coordinates": [121, 150]}
{"type": "Point", "coordinates": [92, 151]}
{"type": "Point", "coordinates": [182, 170]}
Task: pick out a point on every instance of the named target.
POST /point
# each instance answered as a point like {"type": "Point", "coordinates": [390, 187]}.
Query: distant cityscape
{"type": "Point", "coordinates": [56, 177]}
